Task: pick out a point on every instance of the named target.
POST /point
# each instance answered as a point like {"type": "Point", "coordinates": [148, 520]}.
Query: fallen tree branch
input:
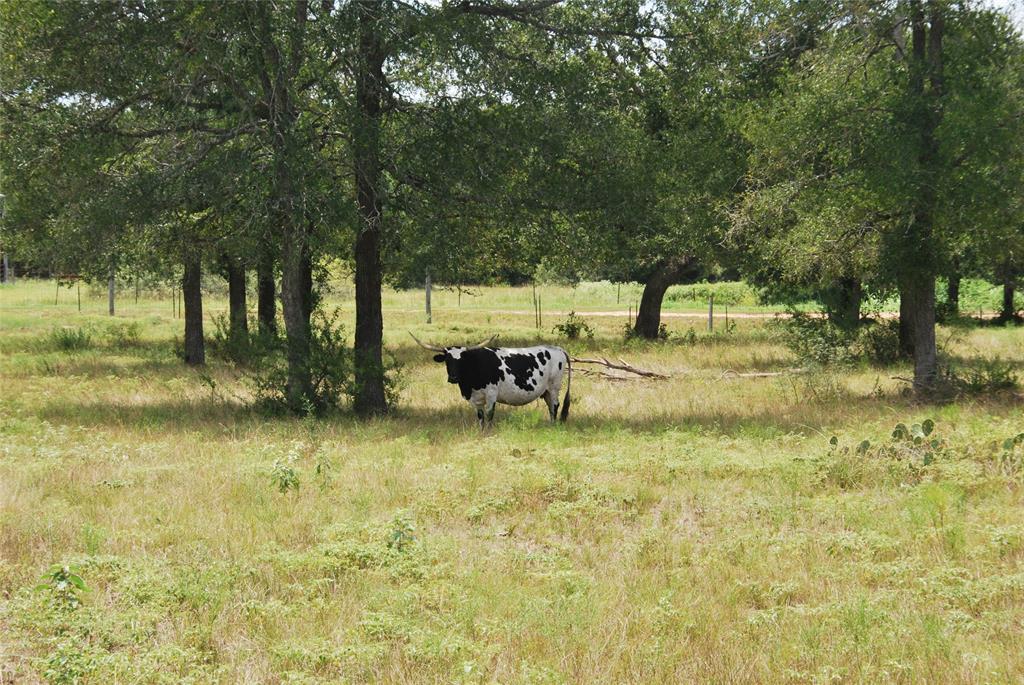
{"type": "Point", "coordinates": [602, 374]}
{"type": "Point", "coordinates": [729, 373]}
{"type": "Point", "coordinates": [621, 366]}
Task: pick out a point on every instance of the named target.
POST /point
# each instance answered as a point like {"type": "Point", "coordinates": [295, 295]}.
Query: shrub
{"type": "Point", "coordinates": [64, 584]}
{"type": "Point", "coordinates": [573, 326]}
{"type": "Point", "coordinates": [629, 333]}
{"type": "Point", "coordinates": [332, 369]}
{"type": "Point", "coordinates": [241, 349]}
{"type": "Point", "coordinates": [1009, 460]}
{"type": "Point", "coordinates": [689, 337]}
{"type": "Point", "coordinates": [284, 475]}
{"type": "Point", "coordinates": [70, 339]}
{"type": "Point", "coordinates": [878, 343]}
{"type": "Point", "coordinates": [983, 377]}
{"type": "Point", "coordinates": [122, 335]}
{"type": "Point", "coordinates": [904, 457]}
{"type": "Point", "coordinates": [815, 340]}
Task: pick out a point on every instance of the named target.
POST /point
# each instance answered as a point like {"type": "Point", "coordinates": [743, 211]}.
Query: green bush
{"type": "Point", "coordinates": [629, 333]}
{"type": "Point", "coordinates": [70, 339]}
{"type": "Point", "coordinates": [241, 349]}
{"type": "Point", "coordinates": [331, 365]}
{"type": "Point", "coordinates": [122, 335]}
{"type": "Point", "coordinates": [815, 340]}
{"type": "Point", "coordinates": [573, 326]}
{"type": "Point", "coordinates": [981, 378]}
{"type": "Point", "coordinates": [878, 343]}
{"type": "Point", "coordinates": [903, 458]}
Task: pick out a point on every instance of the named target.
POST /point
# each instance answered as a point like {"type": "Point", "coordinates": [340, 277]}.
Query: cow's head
{"type": "Point", "coordinates": [451, 356]}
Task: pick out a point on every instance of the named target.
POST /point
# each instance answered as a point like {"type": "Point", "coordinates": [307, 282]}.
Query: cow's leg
{"type": "Point", "coordinates": [491, 400]}
{"type": "Point", "coordinates": [551, 399]}
{"type": "Point", "coordinates": [479, 401]}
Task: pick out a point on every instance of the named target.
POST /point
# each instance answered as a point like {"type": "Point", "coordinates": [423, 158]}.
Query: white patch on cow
{"type": "Point", "coordinates": [546, 377]}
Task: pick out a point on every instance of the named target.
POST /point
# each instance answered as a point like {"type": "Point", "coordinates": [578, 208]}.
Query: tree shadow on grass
{"type": "Point", "coordinates": [217, 417]}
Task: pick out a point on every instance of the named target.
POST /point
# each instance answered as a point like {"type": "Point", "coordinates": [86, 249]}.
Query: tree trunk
{"type": "Point", "coordinates": [266, 305]}
{"type": "Point", "coordinates": [906, 341]}
{"type": "Point", "coordinates": [1008, 311]}
{"type": "Point", "coordinates": [295, 299]}
{"type": "Point", "coordinates": [921, 299]}
{"type": "Point", "coordinates": [917, 244]}
{"type": "Point", "coordinates": [953, 295]}
{"type": "Point", "coordinates": [238, 316]}
{"type": "Point", "coordinates": [648, 316]}
{"type": "Point", "coordinates": [281, 70]}
{"type": "Point", "coordinates": [110, 294]}
{"type": "Point", "coordinates": [842, 302]}
{"type": "Point", "coordinates": [370, 397]}
{"type": "Point", "coordinates": [195, 351]}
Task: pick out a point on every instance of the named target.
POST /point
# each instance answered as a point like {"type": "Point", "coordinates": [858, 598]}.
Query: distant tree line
{"type": "Point", "coordinates": [842, 149]}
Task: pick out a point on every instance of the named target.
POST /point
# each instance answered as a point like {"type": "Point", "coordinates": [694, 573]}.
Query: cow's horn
{"type": "Point", "coordinates": [485, 343]}
{"type": "Point", "coordinates": [425, 346]}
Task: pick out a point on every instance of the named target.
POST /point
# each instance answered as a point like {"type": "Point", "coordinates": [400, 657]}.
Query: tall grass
{"type": "Point", "coordinates": [700, 529]}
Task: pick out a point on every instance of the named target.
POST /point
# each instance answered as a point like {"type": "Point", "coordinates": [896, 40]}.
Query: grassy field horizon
{"type": "Point", "coordinates": [703, 528]}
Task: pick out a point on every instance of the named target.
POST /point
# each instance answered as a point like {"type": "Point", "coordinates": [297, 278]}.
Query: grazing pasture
{"type": "Point", "coordinates": [698, 529]}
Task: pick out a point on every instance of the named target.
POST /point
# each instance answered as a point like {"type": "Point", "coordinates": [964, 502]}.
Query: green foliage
{"type": "Point", "coordinates": [250, 349]}
{"type": "Point", "coordinates": [726, 293]}
{"type": "Point", "coordinates": [629, 333]}
{"type": "Point", "coordinates": [1009, 458]}
{"type": "Point", "coordinates": [324, 469]}
{"type": "Point", "coordinates": [65, 585]}
{"type": "Point", "coordinates": [689, 337]}
{"type": "Point", "coordinates": [402, 532]}
{"type": "Point", "coordinates": [284, 474]}
{"type": "Point", "coordinates": [816, 340]}
{"type": "Point", "coordinates": [68, 663]}
{"type": "Point", "coordinates": [902, 458]}
{"type": "Point", "coordinates": [982, 377]}
{"type": "Point", "coordinates": [878, 342]}
{"type": "Point", "coordinates": [573, 327]}
{"type": "Point", "coordinates": [70, 339]}
{"type": "Point", "coordinates": [813, 339]}
{"type": "Point", "coordinates": [330, 366]}
{"type": "Point", "coordinates": [123, 335]}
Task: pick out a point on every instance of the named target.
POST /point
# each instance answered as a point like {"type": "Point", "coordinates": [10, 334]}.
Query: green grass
{"type": "Point", "coordinates": [699, 529]}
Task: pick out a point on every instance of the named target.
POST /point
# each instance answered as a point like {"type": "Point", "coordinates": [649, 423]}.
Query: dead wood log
{"type": "Point", "coordinates": [621, 366]}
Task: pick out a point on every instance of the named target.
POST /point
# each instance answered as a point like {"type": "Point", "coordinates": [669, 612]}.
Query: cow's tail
{"type": "Point", "coordinates": [568, 382]}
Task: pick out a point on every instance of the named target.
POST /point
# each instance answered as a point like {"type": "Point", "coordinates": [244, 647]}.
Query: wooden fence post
{"type": "Point", "coordinates": [427, 288]}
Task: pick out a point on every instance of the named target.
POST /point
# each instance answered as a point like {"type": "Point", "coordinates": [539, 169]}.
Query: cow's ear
{"type": "Point", "coordinates": [439, 357]}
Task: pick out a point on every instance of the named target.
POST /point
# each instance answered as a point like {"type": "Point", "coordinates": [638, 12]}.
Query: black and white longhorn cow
{"type": "Point", "coordinates": [510, 375]}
